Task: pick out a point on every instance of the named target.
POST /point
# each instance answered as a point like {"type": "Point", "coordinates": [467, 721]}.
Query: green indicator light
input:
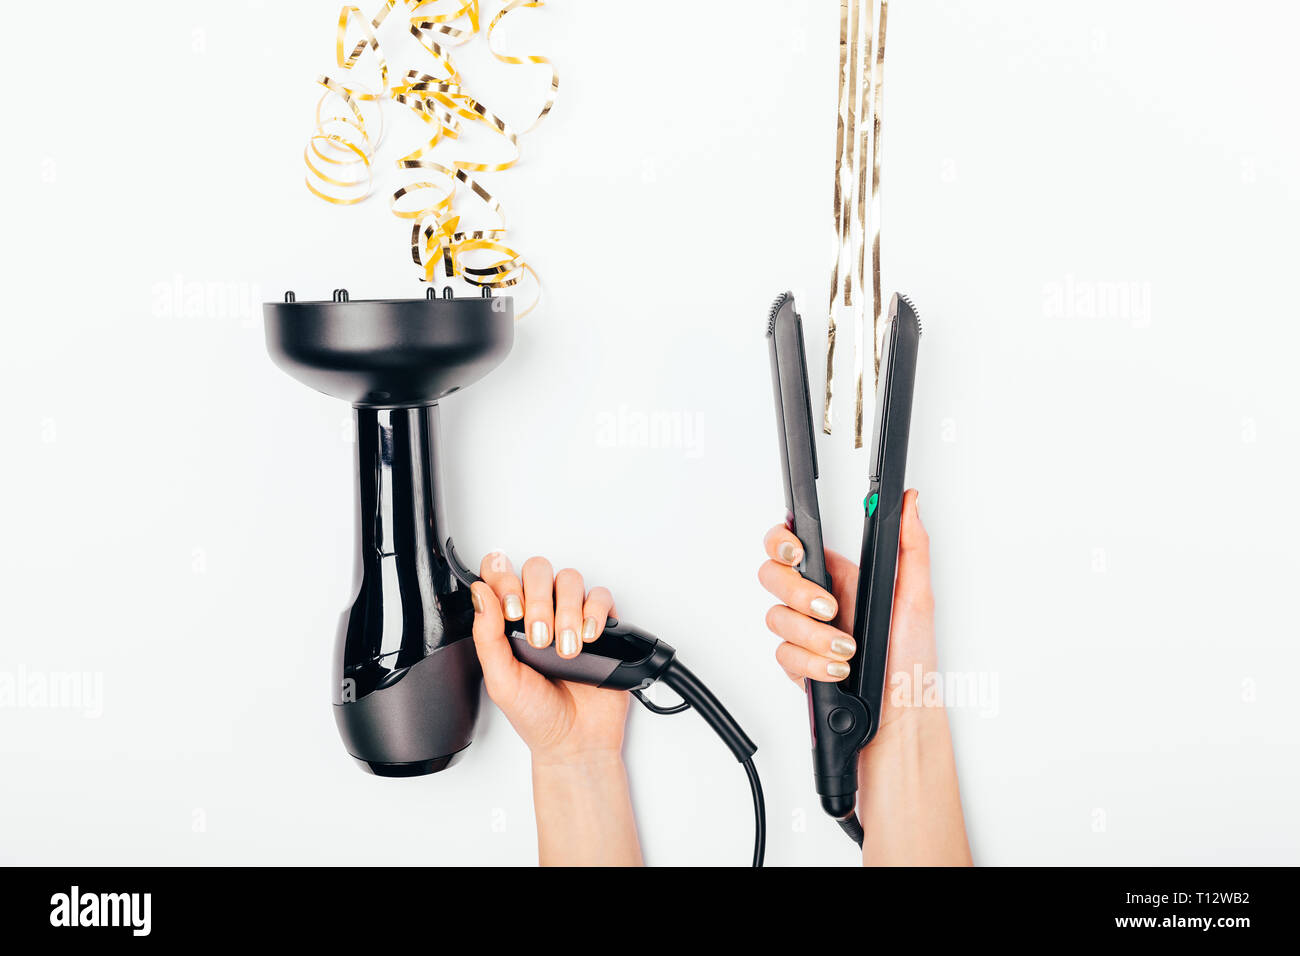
{"type": "Point", "coordinates": [871, 504]}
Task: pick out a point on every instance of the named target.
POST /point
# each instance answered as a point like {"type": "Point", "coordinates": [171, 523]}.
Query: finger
{"type": "Point", "coordinates": [841, 568]}
{"type": "Point", "coordinates": [569, 593]}
{"type": "Point", "coordinates": [539, 601]}
{"type": "Point", "coordinates": [500, 667]}
{"type": "Point", "coordinates": [913, 539]}
{"type": "Point", "coordinates": [595, 612]}
{"type": "Point", "coordinates": [913, 586]}
{"type": "Point", "coordinates": [788, 585]}
{"type": "Point", "coordinates": [795, 660]}
{"type": "Point", "coordinates": [844, 585]}
{"type": "Point", "coordinates": [821, 639]}
{"type": "Point", "coordinates": [781, 545]}
{"type": "Point", "coordinates": [499, 574]}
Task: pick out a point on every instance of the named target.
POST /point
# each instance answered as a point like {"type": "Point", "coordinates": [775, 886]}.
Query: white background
{"type": "Point", "coordinates": [1111, 499]}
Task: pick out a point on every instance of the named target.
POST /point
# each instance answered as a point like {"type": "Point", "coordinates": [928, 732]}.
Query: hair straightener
{"type": "Point", "coordinates": [846, 715]}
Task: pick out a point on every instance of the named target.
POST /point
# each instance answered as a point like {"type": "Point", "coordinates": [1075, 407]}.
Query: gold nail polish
{"type": "Point", "coordinates": [838, 669]}
{"type": "Point", "coordinates": [476, 600]}
{"type": "Point", "coordinates": [842, 647]}
{"type": "Point", "coordinates": [790, 554]}
{"type": "Point", "coordinates": [514, 607]}
{"type": "Point", "coordinates": [822, 607]}
{"type": "Point", "coordinates": [568, 642]}
{"type": "Point", "coordinates": [540, 635]}
{"type": "Point", "coordinates": [589, 630]}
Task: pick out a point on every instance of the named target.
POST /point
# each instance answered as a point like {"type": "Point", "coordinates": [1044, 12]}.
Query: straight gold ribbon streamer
{"type": "Point", "coordinates": [341, 151]}
{"type": "Point", "coordinates": [878, 84]}
{"type": "Point", "coordinates": [857, 213]}
{"type": "Point", "coordinates": [865, 149]}
{"type": "Point", "coordinates": [840, 210]}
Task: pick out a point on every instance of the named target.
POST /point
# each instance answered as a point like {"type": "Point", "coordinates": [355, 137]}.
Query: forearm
{"type": "Point", "coordinates": [584, 813]}
{"type": "Point", "coordinates": [910, 804]}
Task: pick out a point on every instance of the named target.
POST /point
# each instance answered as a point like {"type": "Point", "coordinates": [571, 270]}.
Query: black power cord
{"type": "Point", "coordinates": [698, 697]}
{"type": "Point", "coordinates": [760, 812]}
{"type": "Point", "coordinates": [654, 708]}
{"type": "Point", "coordinates": [755, 785]}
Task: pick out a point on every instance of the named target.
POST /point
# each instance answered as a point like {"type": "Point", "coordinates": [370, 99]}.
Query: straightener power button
{"type": "Point", "coordinates": [841, 720]}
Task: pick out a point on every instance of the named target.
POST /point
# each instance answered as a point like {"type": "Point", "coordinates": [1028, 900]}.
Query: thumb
{"type": "Point", "coordinates": [501, 669]}
{"type": "Point", "coordinates": [913, 555]}
{"type": "Point", "coordinates": [913, 536]}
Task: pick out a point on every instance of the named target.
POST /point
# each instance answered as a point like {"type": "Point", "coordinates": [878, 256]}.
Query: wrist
{"type": "Point", "coordinates": [587, 759]}
{"type": "Point", "coordinates": [584, 809]}
{"type": "Point", "coordinates": [909, 802]}
{"type": "Point", "coordinates": [912, 728]}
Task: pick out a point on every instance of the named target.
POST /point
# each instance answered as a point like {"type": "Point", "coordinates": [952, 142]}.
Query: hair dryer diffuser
{"type": "Point", "coordinates": [406, 677]}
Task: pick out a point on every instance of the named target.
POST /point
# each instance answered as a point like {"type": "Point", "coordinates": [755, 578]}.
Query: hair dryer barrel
{"type": "Point", "coordinates": [406, 675]}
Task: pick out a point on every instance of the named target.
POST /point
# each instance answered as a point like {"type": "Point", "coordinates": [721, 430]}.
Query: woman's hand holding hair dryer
{"type": "Point", "coordinates": [574, 731]}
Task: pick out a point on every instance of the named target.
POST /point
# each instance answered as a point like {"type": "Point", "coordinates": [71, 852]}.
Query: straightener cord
{"type": "Point", "coordinates": [760, 812]}
{"type": "Point", "coordinates": [852, 827]}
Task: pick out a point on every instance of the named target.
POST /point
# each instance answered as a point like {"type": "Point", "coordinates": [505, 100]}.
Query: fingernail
{"type": "Point", "coordinates": [589, 630]}
{"type": "Point", "coordinates": [916, 504]}
{"type": "Point", "coordinates": [514, 607]}
{"type": "Point", "coordinates": [842, 647]}
{"type": "Point", "coordinates": [498, 561]}
{"type": "Point", "coordinates": [822, 607]}
{"type": "Point", "coordinates": [838, 669]}
{"type": "Point", "coordinates": [790, 554]}
{"type": "Point", "coordinates": [568, 642]}
{"type": "Point", "coordinates": [540, 635]}
{"type": "Point", "coordinates": [478, 601]}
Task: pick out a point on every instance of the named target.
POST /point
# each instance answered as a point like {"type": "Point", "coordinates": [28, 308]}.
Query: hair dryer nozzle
{"type": "Point", "coordinates": [388, 353]}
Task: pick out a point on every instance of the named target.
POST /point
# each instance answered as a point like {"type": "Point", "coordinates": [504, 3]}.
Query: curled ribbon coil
{"type": "Point", "coordinates": [349, 129]}
{"type": "Point", "coordinates": [541, 60]}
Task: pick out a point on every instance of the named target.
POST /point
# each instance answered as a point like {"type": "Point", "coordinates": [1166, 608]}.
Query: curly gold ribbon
{"type": "Point", "coordinates": [424, 25]}
{"type": "Point", "coordinates": [341, 141]}
{"type": "Point", "coordinates": [341, 151]}
{"type": "Point", "coordinates": [368, 28]}
{"type": "Point", "coordinates": [522, 60]}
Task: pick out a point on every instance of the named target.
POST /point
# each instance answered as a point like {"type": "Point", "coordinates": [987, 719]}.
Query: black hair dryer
{"type": "Point", "coordinates": [406, 677]}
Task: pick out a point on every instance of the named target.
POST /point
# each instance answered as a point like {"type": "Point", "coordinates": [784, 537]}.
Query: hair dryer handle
{"type": "Point", "coordinates": [622, 658]}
